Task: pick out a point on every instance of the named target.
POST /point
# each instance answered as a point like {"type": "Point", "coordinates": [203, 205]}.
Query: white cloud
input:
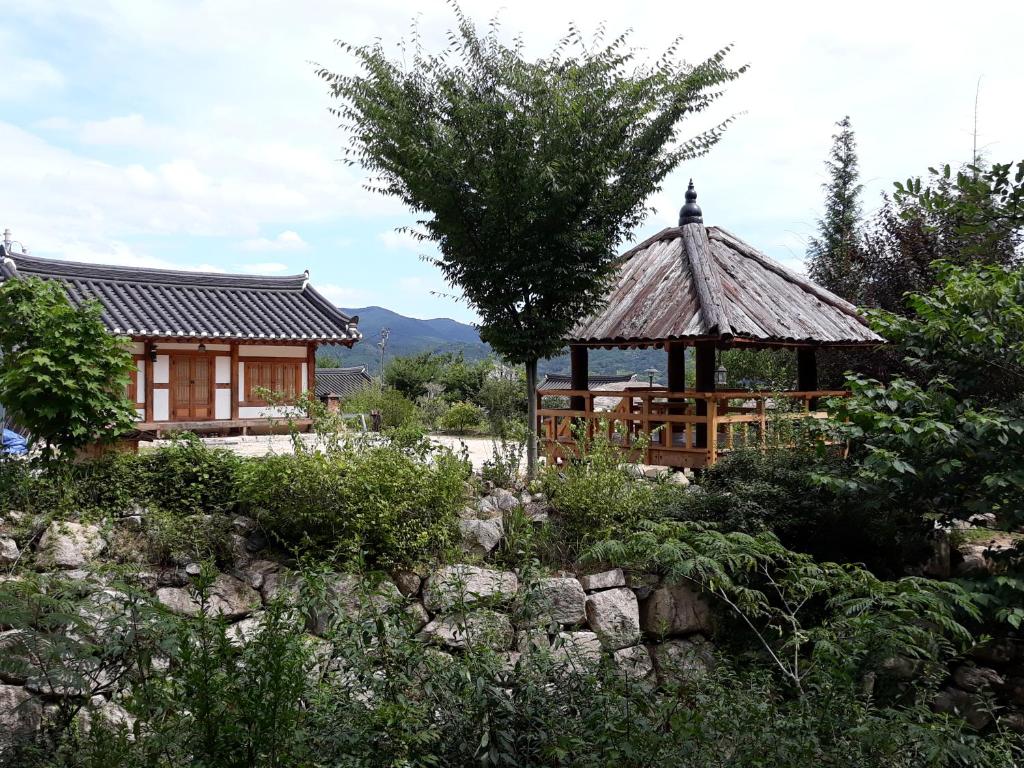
{"type": "Point", "coordinates": [401, 240]}
{"type": "Point", "coordinates": [288, 240]}
{"type": "Point", "coordinates": [26, 78]}
{"type": "Point", "coordinates": [341, 295]}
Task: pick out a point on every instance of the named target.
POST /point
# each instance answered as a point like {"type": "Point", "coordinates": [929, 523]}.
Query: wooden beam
{"type": "Point", "coordinates": [676, 366]}
{"type": "Point", "coordinates": [235, 381]}
{"type": "Point", "coordinates": [705, 372]}
{"type": "Point", "coordinates": [579, 376]}
{"type": "Point", "coordinates": [147, 352]}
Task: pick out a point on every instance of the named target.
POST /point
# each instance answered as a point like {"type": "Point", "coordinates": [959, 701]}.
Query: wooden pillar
{"type": "Point", "coordinates": [235, 381]}
{"type": "Point", "coordinates": [311, 368]}
{"type": "Point", "coordinates": [147, 372]}
{"type": "Point", "coordinates": [578, 376]}
{"type": "Point", "coordinates": [705, 382]}
{"type": "Point", "coordinates": [676, 366]}
{"type": "Point", "coordinates": [807, 373]}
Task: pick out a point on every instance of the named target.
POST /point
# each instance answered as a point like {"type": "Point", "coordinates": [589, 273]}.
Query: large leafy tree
{"type": "Point", "coordinates": [528, 174]}
{"type": "Point", "coordinates": [63, 376]}
{"type": "Point", "coordinates": [834, 256]}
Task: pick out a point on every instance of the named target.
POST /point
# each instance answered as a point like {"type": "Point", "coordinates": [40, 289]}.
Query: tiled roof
{"type": "Point", "coordinates": [341, 381]}
{"type": "Point", "coordinates": [697, 282]}
{"type": "Point", "coordinates": [165, 303]}
{"type": "Point", "coordinates": [564, 381]}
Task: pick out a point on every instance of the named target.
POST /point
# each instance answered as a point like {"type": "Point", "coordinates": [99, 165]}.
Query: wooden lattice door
{"type": "Point", "coordinates": [191, 388]}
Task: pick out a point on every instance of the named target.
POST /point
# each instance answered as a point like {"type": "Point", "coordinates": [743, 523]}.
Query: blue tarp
{"type": "Point", "coordinates": [13, 444]}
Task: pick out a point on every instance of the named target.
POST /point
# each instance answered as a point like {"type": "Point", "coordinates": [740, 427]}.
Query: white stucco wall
{"type": "Point", "coordinates": [162, 370]}
{"type": "Point", "coordinates": [161, 405]}
{"type": "Point", "coordinates": [222, 404]}
{"type": "Point", "coordinates": [140, 382]}
{"type": "Point", "coordinates": [270, 350]}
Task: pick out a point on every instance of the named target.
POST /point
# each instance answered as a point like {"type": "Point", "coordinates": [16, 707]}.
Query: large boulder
{"type": "Point", "coordinates": [559, 599]}
{"type": "Point", "coordinates": [481, 627]}
{"type": "Point", "coordinates": [479, 537]}
{"type": "Point", "coordinates": [21, 714]}
{"type": "Point", "coordinates": [408, 582]}
{"type": "Point", "coordinates": [228, 596]}
{"type": "Point", "coordinates": [614, 615]}
{"type": "Point", "coordinates": [349, 595]}
{"type": "Point", "coordinates": [65, 544]}
{"type": "Point", "coordinates": [634, 661]}
{"type": "Point", "coordinates": [681, 660]}
{"type": "Point", "coordinates": [975, 679]}
{"type": "Point", "coordinates": [972, 708]}
{"type": "Point", "coordinates": [578, 649]}
{"type": "Point", "coordinates": [453, 586]}
{"type": "Point", "coordinates": [675, 609]}
{"type": "Point", "coordinates": [593, 582]}
{"type": "Point", "coordinates": [496, 504]}
{"type": "Point", "coordinates": [9, 552]}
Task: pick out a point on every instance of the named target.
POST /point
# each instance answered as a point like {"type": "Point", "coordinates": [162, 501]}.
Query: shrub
{"type": "Point", "coordinates": [188, 477]}
{"type": "Point", "coordinates": [594, 495]}
{"type": "Point", "coordinates": [377, 503]}
{"type": "Point", "coordinates": [461, 418]}
{"type": "Point", "coordinates": [396, 410]}
{"type": "Point", "coordinates": [780, 491]}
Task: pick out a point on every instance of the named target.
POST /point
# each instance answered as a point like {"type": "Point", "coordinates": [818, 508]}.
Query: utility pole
{"type": "Point", "coordinates": [382, 345]}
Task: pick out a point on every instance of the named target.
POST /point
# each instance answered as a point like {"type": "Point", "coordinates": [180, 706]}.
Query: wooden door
{"type": "Point", "coordinates": [191, 388]}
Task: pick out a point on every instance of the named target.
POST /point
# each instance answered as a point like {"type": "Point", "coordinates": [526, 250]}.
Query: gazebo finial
{"type": "Point", "coordinates": [690, 213]}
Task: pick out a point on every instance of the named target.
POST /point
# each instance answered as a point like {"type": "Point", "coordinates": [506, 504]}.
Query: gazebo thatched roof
{"type": "Point", "coordinates": [693, 282]}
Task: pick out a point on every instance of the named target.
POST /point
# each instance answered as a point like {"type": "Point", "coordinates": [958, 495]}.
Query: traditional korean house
{"type": "Point", "coordinates": [206, 345]}
{"type": "Point", "coordinates": [335, 385]}
{"type": "Point", "coordinates": [701, 287]}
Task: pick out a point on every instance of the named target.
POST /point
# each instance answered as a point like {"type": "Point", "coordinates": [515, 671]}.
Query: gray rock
{"type": "Point", "coordinates": [21, 714]}
{"type": "Point", "coordinates": [603, 580]}
{"type": "Point", "coordinates": [482, 627]}
{"type": "Point", "coordinates": [496, 504]}
{"type": "Point", "coordinates": [257, 571]}
{"type": "Point", "coordinates": [17, 666]}
{"type": "Point", "coordinates": [242, 632]}
{"type": "Point", "coordinates": [530, 640]}
{"type": "Point", "coordinates": [9, 552]}
{"type": "Point", "coordinates": [280, 585]}
{"type": "Point", "coordinates": [454, 585]}
{"type": "Point", "coordinates": [642, 584]}
{"type": "Point", "coordinates": [634, 661]}
{"type": "Point", "coordinates": [975, 679]}
{"type": "Point", "coordinates": [656, 471]}
{"type": "Point", "coordinates": [479, 537]}
{"type": "Point", "coordinates": [680, 660]}
{"type": "Point", "coordinates": [408, 582]}
{"type": "Point", "coordinates": [675, 610]}
{"type": "Point", "coordinates": [561, 600]}
{"type": "Point", "coordinates": [578, 649]}
{"type": "Point", "coordinates": [614, 615]}
{"type": "Point", "coordinates": [537, 512]}
{"type": "Point", "coordinates": [243, 525]}
{"type": "Point", "coordinates": [348, 596]}
{"type": "Point", "coordinates": [974, 561]}
{"type": "Point", "coordinates": [955, 701]}
{"type": "Point", "coordinates": [679, 478]}
{"type": "Point", "coordinates": [417, 616]}
{"type": "Point", "coordinates": [1012, 721]}
{"type": "Point", "coordinates": [228, 597]}
{"type": "Point", "coordinates": [67, 544]}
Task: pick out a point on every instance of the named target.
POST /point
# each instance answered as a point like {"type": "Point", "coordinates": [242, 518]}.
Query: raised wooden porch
{"type": "Point", "coordinates": [674, 428]}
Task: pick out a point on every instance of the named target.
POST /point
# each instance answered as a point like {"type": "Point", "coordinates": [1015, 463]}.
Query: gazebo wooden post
{"type": "Point", "coordinates": [578, 376]}
{"type": "Point", "coordinates": [676, 353]}
{"type": "Point", "coordinates": [807, 373]}
{"type": "Point", "coordinates": [705, 382]}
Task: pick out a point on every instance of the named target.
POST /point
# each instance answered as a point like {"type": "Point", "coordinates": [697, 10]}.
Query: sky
{"type": "Point", "coordinates": [195, 135]}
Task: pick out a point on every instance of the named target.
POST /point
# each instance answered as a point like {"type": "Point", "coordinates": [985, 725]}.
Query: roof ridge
{"type": "Point", "coordinates": [823, 294]}
{"type": "Point", "coordinates": [87, 270]}
{"type": "Point", "coordinates": [705, 278]}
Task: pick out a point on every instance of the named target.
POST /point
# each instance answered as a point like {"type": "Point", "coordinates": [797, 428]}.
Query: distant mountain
{"type": "Point", "coordinates": [410, 336]}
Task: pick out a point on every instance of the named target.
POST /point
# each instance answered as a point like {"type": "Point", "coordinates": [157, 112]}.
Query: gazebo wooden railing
{"type": "Point", "coordinates": [672, 428]}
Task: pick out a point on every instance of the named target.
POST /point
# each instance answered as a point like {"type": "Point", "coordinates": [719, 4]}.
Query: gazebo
{"type": "Point", "coordinates": [699, 286]}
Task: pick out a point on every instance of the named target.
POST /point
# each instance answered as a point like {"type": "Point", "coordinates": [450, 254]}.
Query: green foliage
{"type": "Point", "coordinates": [377, 504]}
{"type": "Point", "coordinates": [396, 410]}
{"type": "Point", "coordinates": [411, 374]}
{"type": "Point", "coordinates": [504, 400]}
{"type": "Point", "coordinates": [923, 451]}
{"type": "Point", "coordinates": [503, 467]}
{"type": "Point", "coordinates": [188, 477]}
{"type": "Point", "coordinates": [63, 377]}
{"type": "Point", "coordinates": [780, 491]}
{"type": "Point", "coordinates": [771, 370]}
{"type": "Point", "coordinates": [834, 256]}
{"type": "Point", "coordinates": [176, 538]}
{"type": "Point", "coordinates": [969, 328]}
{"type": "Point", "coordinates": [594, 495]}
{"type": "Point", "coordinates": [461, 418]}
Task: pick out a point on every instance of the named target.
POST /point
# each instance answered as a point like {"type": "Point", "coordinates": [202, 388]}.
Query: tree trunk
{"type": "Point", "coordinates": [531, 418]}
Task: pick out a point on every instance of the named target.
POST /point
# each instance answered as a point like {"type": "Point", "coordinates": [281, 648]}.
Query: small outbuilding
{"type": "Point", "coordinates": [335, 385]}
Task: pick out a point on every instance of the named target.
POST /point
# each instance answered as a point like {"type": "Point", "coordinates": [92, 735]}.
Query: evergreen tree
{"type": "Point", "coordinates": [834, 256]}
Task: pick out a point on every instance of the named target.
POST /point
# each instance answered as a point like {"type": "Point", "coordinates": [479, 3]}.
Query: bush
{"type": "Point", "coordinates": [396, 410]}
{"type": "Point", "coordinates": [594, 495]}
{"type": "Point", "coordinates": [780, 491]}
{"type": "Point", "coordinates": [377, 503]}
{"type": "Point", "coordinates": [188, 477]}
{"type": "Point", "coordinates": [461, 418]}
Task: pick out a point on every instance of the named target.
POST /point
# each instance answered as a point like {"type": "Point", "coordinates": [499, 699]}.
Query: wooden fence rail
{"type": "Point", "coordinates": [677, 429]}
